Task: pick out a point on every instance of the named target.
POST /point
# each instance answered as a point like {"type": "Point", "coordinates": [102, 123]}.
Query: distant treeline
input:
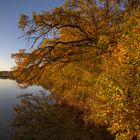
{"type": "Point", "coordinates": [6, 75]}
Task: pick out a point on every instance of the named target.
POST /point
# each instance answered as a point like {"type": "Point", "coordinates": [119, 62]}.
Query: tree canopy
{"type": "Point", "coordinates": [87, 53]}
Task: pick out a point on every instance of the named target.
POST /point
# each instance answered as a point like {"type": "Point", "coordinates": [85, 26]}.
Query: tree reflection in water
{"type": "Point", "coordinates": [39, 118]}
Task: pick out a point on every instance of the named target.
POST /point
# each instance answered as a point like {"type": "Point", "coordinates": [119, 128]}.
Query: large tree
{"type": "Point", "coordinates": [86, 52]}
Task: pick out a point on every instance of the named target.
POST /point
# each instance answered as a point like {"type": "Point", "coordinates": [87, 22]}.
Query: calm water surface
{"type": "Point", "coordinates": [9, 91]}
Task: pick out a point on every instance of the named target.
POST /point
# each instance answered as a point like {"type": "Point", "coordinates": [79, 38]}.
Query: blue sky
{"type": "Point", "coordinates": [10, 11]}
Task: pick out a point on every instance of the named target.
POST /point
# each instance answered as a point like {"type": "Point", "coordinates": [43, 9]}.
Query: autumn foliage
{"type": "Point", "coordinates": [87, 53]}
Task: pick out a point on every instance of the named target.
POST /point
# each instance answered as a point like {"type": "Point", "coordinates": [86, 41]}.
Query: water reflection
{"type": "Point", "coordinates": [53, 121]}
{"type": "Point", "coordinates": [8, 98]}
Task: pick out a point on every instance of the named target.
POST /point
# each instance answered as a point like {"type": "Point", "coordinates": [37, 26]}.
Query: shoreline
{"type": "Point", "coordinates": [6, 75]}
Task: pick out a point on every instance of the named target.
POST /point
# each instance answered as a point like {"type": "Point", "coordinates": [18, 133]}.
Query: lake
{"type": "Point", "coordinates": [9, 91]}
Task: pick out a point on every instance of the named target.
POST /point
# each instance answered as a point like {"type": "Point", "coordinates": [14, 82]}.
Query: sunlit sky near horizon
{"type": "Point", "coordinates": [10, 11]}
